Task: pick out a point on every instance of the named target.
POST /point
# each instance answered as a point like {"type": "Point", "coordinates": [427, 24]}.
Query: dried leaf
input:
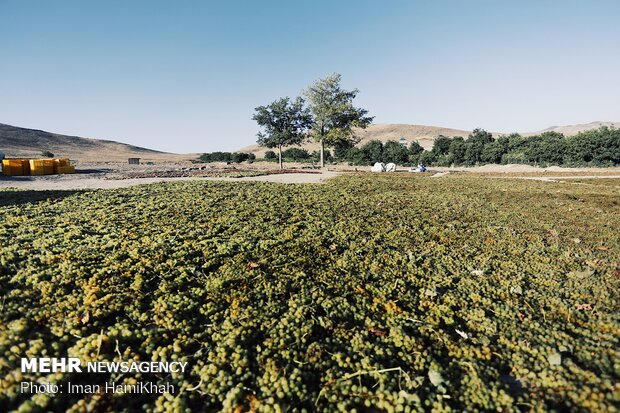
{"type": "Point", "coordinates": [586, 307]}
{"type": "Point", "coordinates": [565, 349]}
{"type": "Point", "coordinates": [461, 333]}
{"type": "Point", "coordinates": [477, 272]}
{"type": "Point", "coordinates": [253, 402]}
{"type": "Point", "coordinates": [360, 290]}
{"type": "Point", "coordinates": [378, 332]}
{"type": "Point", "coordinates": [430, 293]}
{"type": "Point", "coordinates": [516, 289]}
{"type": "Point", "coordinates": [555, 358]}
{"type": "Point", "coordinates": [581, 274]}
{"type": "Point", "coordinates": [391, 307]}
{"type": "Point", "coordinates": [252, 265]}
{"type": "Point", "coordinates": [435, 377]}
{"type": "Point", "coordinates": [85, 317]}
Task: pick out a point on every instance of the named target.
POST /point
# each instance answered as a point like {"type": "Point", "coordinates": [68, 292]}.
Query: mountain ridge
{"type": "Point", "coordinates": [425, 135]}
{"type": "Point", "coordinates": [18, 142]}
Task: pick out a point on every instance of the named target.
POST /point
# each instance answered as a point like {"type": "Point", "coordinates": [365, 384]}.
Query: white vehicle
{"type": "Point", "coordinates": [391, 167]}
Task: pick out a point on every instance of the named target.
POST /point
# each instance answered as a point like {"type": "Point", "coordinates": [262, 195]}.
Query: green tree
{"type": "Point", "coordinates": [270, 155]}
{"type": "Point", "coordinates": [341, 149]}
{"type": "Point", "coordinates": [395, 152]}
{"type": "Point", "coordinates": [284, 123]}
{"type": "Point", "coordinates": [334, 116]}
{"type": "Point", "coordinates": [492, 152]}
{"type": "Point", "coordinates": [481, 136]}
{"type": "Point", "coordinates": [415, 149]}
{"type": "Point", "coordinates": [441, 145]}
{"type": "Point", "coordinates": [475, 145]}
{"type": "Point", "coordinates": [216, 157]}
{"type": "Point", "coordinates": [238, 157]}
{"type": "Point", "coordinates": [372, 151]}
{"type": "Point", "coordinates": [355, 156]}
{"type": "Point", "coordinates": [296, 154]}
{"type": "Point", "coordinates": [456, 153]}
{"type": "Point", "coordinates": [427, 158]}
{"type": "Point", "coordinates": [597, 147]}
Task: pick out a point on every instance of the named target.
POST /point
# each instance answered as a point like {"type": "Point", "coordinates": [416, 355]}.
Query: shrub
{"type": "Point", "coordinates": [271, 156]}
{"type": "Point", "coordinates": [296, 154]}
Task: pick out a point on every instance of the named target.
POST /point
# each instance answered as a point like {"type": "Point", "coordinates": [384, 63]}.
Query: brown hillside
{"type": "Point", "coordinates": [18, 142]}
{"type": "Point", "coordinates": [425, 135]}
{"type": "Point", "coordinates": [570, 130]}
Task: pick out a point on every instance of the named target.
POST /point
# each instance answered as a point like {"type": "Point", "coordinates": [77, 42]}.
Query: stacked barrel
{"type": "Point", "coordinates": [36, 167]}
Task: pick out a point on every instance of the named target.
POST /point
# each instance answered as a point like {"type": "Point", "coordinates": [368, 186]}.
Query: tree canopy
{"type": "Point", "coordinates": [284, 123]}
{"type": "Point", "coordinates": [334, 115]}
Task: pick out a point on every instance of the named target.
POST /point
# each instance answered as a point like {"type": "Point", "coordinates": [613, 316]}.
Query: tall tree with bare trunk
{"type": "Point", "coordinates": [334, 116]}
{"type": "Point", "coordinates": [284, 123]}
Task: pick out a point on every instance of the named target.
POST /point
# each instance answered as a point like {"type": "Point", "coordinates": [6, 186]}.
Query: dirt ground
{"type": "Point", "coordinates": [120, 175]}
{"type": "Point", "coordinates": [84, 181]}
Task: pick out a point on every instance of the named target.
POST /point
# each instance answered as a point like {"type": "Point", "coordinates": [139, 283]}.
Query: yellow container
{"type": "Point", "coordinates": [41, 167]}
{"type": "Point", "coordinates": [25, 166]}
{"type": "Point", "coordinates": [59, 163]}
{"type": "Point", "coordinates": [68, 169]}
{"type": "Point", "coordinates": [12, 167]}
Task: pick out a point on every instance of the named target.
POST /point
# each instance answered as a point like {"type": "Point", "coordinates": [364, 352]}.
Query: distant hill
{"type": "Point", "coordinates": [570, 130]}
{"type": "Point", "coordinates": [425, 135]}
{"type": "Point", "coordinates": [18, 142]}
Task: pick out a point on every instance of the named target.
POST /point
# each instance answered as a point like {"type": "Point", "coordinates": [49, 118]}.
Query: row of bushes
{"type": "Point", "coordinates": [597, 147]}
{"type": "Point", "coordinates": [375, 151]}
{"type": "Point", "coordinates": [298, 155]}
{"type": "Point", "coordinates": [235, 157]}
{"type": "Point", "coordinates": [291, 155]}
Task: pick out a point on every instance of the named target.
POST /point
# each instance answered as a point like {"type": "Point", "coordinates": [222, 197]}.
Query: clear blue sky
{"type": "Point", "coordinates": [186, 76]}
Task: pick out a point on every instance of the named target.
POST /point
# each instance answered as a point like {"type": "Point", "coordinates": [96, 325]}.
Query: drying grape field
{"type": "Point", "coordinates": [367, 293]}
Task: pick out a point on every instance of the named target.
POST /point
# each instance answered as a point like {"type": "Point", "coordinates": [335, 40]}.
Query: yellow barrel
{"type": "Point", "coordinates": [68, 169]}
{"type": "Point", "coordinates": [12, 167]}
{"type": "Point", "coordinates": [41, 167]}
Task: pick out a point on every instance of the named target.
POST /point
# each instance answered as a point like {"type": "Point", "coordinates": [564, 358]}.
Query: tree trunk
{"type": "Point", "coordinates": [280, 155]}
{"type": "Point", "coordinates": [322, 154]}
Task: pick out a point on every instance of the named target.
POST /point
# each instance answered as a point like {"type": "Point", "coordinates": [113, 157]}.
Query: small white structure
{"type": "Point", "coordinates": [391, 167]}
{"type": "Point", "coordinates": [378, 167]}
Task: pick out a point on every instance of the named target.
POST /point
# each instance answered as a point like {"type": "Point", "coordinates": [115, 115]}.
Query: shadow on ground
{"type": "Point", "coordinates": [18, 197]}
